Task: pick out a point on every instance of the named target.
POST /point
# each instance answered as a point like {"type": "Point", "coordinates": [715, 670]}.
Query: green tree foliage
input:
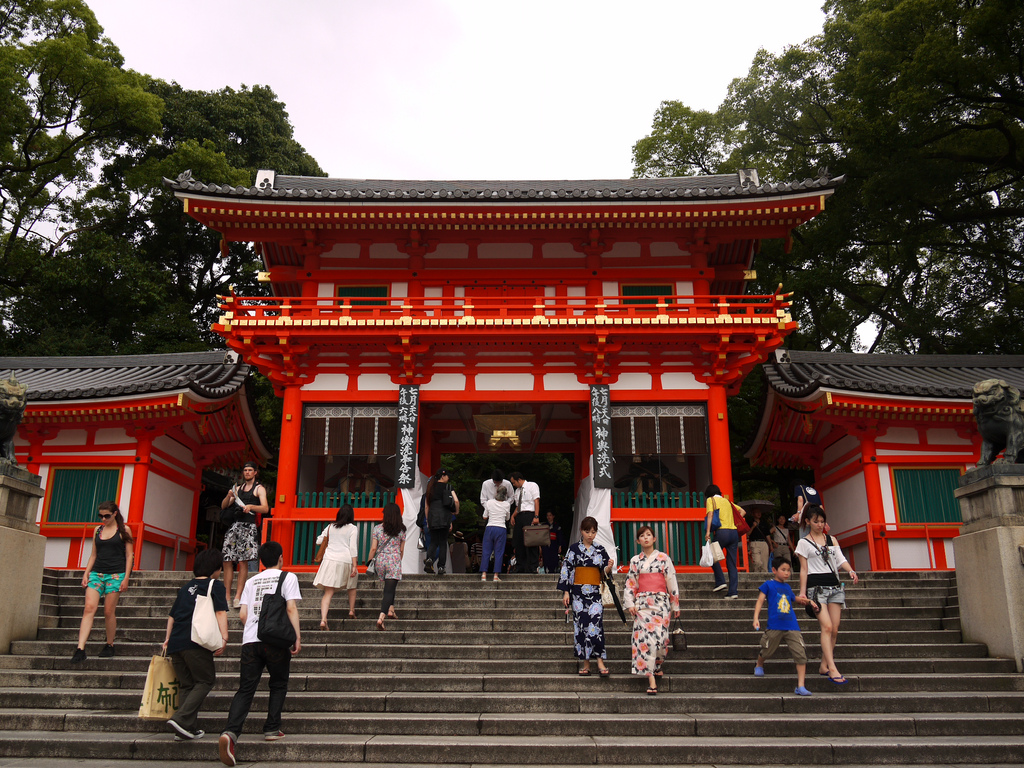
{"type": "Point", "coordinates": [66, 104]}
{"type": "Point", "coordinates": [920, 104]}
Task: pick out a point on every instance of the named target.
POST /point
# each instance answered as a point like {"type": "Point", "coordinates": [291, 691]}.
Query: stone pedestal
{"type": "Point", "coordinates": [21, 554]}
{"type": "Point", "coordinates": [990, 559]}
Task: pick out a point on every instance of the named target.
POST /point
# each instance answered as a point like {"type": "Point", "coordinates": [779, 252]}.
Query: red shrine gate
{"type": "Point", "coordinates": [498, 313]}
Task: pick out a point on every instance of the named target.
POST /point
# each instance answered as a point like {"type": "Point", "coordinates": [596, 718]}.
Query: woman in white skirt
{"type": "Point", "coordinates": [338, 567]}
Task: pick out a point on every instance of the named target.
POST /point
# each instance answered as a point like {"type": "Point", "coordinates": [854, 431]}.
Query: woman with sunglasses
{"type": "Point", "coordinates": [106, 574]}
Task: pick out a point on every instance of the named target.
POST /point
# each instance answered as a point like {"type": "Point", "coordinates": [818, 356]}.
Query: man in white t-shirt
{"type": "Point", "coordinates": [257, 655]}
{"type": "Point", "coordinates": [527, 512]}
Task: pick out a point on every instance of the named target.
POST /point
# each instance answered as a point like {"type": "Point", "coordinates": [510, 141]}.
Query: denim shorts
{"type": "Point", "coordinates": [827, 595]}
{"type": "Point", "coordinates": [105, 583]}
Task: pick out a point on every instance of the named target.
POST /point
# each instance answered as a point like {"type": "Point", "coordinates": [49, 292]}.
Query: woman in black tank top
{"type": "Point", "coordinates": [106, 574]}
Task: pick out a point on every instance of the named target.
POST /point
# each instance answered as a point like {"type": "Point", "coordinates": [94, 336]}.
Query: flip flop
{"type": "Point", "coordinates": [351, 614]}
{"type": "Point", "coordinates": [605, 672]}
{"type": "Point", "coordinates": [652, 691]}
{"type": "Point", "coordinates": [323, 625]}
{"type": "Point", "coordinates": [380, 624]}
{"type": "Point", "coordinates": [584, 673]}
{"type": "Point", "coordinates": [838, 680]}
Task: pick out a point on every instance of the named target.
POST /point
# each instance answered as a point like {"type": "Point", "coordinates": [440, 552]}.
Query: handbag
{"type": "Point", "coordinates": [742, 528]}
{"type": "Point", "coordinates": [678, 636]}
{"type": "Point", "coordinates": [275, 628]}
{"type": "Point", "coordinates": [607, 598]}
{"type": "Point", "coordinates": [160, 696]}
{"type": "Point", "coordinates": [205, 630]}
{"type": "Point", "coordinates": [371, 567]}
{"type": "Point", "coordinates": [536, 535]}
{"type": "Point", "coordinates": [716, 550]}
{"type": "Point", "coordinates": [319, 556]}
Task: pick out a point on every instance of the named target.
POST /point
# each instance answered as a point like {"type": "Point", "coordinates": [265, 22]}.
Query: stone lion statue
{"type": "Point", "coordinates": [12, 407]}
{"type": "Point", "coordinates": [1000, 416]}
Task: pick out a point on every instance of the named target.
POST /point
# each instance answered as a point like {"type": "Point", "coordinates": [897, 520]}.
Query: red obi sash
{"type": "Point", "coordinates": [651, 582]}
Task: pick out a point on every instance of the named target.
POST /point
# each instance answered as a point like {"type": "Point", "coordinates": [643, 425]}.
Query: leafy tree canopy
{"type": "Point", "coordinates": [920, 104]}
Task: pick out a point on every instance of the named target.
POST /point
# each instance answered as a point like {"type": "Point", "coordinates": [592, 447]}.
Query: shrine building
{"type": "Point", "coordinates": [604, 320]}
{"type": "Point", "coordinates": [145, 431]}
{"type": "Point", "coordinates": [887, 437]}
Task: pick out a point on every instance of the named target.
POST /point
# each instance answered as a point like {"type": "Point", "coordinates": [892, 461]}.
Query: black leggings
{"type": "Point", "coordinates": [390, 585]}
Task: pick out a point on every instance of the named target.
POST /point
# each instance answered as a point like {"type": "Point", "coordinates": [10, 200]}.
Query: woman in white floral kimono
{"type": "Point", "coordinates": [652, 592]}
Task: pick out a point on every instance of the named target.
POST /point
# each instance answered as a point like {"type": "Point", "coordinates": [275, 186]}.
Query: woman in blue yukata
{"type": "Point", "coordinates": [580, 581]}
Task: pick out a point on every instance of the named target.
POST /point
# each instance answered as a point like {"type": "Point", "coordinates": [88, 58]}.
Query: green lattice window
{"type": "Point", "coordinates": [75, 494]}
{"type": "Point", "coordinates": [926, 495]}
{"type": "Point", "coordinates": [654, 291]}
{"type": "Point", "coordinates": [360, 291]}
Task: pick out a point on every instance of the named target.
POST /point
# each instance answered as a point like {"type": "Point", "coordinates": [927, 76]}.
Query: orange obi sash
{"type": "Point", "coordinates": [651, 582]}
{"type": "Point", "coordinates": [587, 574]}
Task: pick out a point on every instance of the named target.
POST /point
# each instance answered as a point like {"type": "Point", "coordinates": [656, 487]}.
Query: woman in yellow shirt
{"type": "Point", "coordinates": [726, 535]}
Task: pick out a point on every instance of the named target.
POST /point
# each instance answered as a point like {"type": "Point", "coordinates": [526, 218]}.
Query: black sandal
{"type": "Point", "coordinates": [652, 691]}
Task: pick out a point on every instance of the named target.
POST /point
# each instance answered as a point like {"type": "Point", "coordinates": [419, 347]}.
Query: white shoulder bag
{"type": "Point", "coordinates": [205, 630]}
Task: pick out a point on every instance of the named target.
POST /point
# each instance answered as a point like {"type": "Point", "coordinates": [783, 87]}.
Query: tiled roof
{"type": "Point", "coordinates": [210, 375]}
{"type": "Point", "coordinates": [801, 374]}
{"type": "Point", "coordinates": [721, 186]}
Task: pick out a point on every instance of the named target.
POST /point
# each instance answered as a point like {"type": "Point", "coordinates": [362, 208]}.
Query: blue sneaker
{"type": "Point", "coordinates": [758, 671]}
{"type": "Point", "coordinates": [801, 691]}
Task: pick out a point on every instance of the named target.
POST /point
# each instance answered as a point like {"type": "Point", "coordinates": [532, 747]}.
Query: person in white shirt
{"type": "Point", "coordinates": [257, 655]}
{"type": "Point", "coordinates": [338, 566]}
{"type": "Point", "coordinates": [496, 513]}
{"type": "Point", "coordinates": [489, 488]}
{"type": "Point", "coordinates": [527, 512]}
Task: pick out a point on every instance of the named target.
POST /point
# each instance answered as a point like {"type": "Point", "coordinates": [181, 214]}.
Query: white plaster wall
{"type": "Point", "coordinates": [564, 382]}
{"type": "Point", "coordinates": [684, 288]}
{"type": "Point", "coordinates": [840, 448]}
{"type": "Point", "coordinates": [168, 505]}
{"type": "Point", "coordinates": [385, 251]}
{"type": "Point", "coordinates": [504, 251]}
{"type": "Point", "coordinates": [624, 249]}
{"type": "Point", "coordinates": [342, 251]}
{"type": "Point", "coordinates": [175, 449]}
{"type": "Point", "coordinates": [947, 437]}
{"type": "Point", "coordinates": [888, 497]}
{"type": "Point", "coordinates": [632, 381]}
{"type": "Point", "coordinates": [909, 553]}
{"type": "Point", "coordinates": [399, 290]}
{"type": "Point", "coordinates": [449, 251]}
{"type": "Point", "coordinates": [609, 288]}
{"type": "Point", "coordinates": [501, 382]}
{"type": "Point", "coordinates": [376, 381]}
{"type": "Point", "coordinates": [681, 380]}
{"type": "Point", "coordinates": [107, 437]}
{"type": "Point", "coordinates": [560, 251]}
{"type": "Point", "coordinates": [859, 557]}
{"type": "Point", "coordinates": [441, 382]}
{"type": "Point", "coordinates": [665, 249]}
{"type": "Point", "coordinates": [903, 435]}
{"type": "Point", "coordinates": [125, 498]}
{"type": "Point", "coordinates": [149, 560]}
{"type": "Point", "coordinates": [950, 556]}
{"type": "Point", "coordinates": [70, 437]}
{"type": "Point", "coordinates": [846, 504]}
{"type": "Point", "coordinates": [57, 551]}
{"type": "Point", "coordinates": [328, 382]}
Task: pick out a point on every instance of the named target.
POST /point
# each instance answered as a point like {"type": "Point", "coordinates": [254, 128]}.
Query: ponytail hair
{"type": "Point", "coordinates": [111, 506]}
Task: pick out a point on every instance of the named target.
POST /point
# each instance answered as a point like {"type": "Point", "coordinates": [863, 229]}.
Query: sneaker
{"type": "Point", "coordinates": [801, 691]}
{"type": "Point", "coordinates": [273, 736]}
{"type": "Point", "coordinates": [441, 571]}
{"type": "Point", "coordinates": [720, 587]}
{"type": "Point", "coordinates": [428, 566]}
{"type": "Point", "coordinates": [107, 652]}
{"type": "Point", "coordinates": [183, 733]}
{"type": "Point", "coordinates": [758, 671]}
{"type": "Point", "coordinates": [236, 604]}
{"type": "Point", "coordinates": [496, 577]}
{"type": "Point", "coordinates": [226, 745]}
{"type": "Point", "coordinates": [78, 656]}
{"type": "Point", "coordinates": [732, 597]}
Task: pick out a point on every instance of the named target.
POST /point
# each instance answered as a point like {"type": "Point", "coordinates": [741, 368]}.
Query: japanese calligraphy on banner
{"type": "Point", "coordinates": [408, 420]}
{"type": "Point", "coordinates": [601, 434]}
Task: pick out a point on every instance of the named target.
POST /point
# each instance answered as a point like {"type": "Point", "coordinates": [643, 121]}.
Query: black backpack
{"type": "Point", "coordinates": [275, 628]}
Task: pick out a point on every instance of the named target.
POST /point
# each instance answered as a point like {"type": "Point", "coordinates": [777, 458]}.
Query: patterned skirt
{"type": "Point", "coordinates": [650, 631]}
{"type": "Point", "coordinates": [241, 543]}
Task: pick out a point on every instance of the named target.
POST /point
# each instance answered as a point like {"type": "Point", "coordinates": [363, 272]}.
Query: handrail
{"type": "Point", "coordinates": [86, 530]}
{"type": "Point", "coordinates": [871, 533]}
{"type": "Point", "coordinates": [534, 309]}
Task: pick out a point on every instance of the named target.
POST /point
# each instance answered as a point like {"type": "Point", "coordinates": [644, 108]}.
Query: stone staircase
{"type": "Point", "coordinates": [476, 673]}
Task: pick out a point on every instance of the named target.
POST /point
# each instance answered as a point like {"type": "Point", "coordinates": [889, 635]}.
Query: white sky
{"type": "Point", "coordinates": [462, 89]}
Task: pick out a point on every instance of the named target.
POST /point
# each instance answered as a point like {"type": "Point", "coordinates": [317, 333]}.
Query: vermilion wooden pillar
{"type": "Point", "coordinates": [140, 482]}
{"type": "Point", "coordinates": [879, 545]}
{"type": "Point", "coordinates": [288, 467]}
{"type": "Point", "coordinates": [718, 435]}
